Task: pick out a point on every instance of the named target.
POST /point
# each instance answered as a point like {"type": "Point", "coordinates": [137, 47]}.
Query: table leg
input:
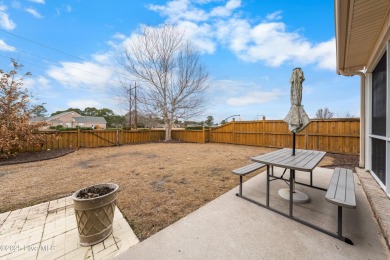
{"type": "Point", "coordinates": [267, 199]}
{"type": "Point", "coordinates": [292, 173]}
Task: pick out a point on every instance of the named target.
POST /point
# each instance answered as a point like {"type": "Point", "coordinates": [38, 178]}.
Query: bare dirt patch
{"type": "Point", "coordinates": [159, 183]}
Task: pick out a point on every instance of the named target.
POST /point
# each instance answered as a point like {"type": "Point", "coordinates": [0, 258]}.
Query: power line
{"type": "Point", "coordinates": [63, 80]}
{"type": "Point", "coordinates": [59, 51]}
{"type": "Point", "coordinates": [64, 65]}
{"type": "Point", "coordinates": [41, 44]}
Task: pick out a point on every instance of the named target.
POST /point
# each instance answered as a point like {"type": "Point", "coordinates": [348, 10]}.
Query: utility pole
{"type": "Point", "coordinates": [135, 105]}
{"type": "Point", "coordinates": [131, 105]}
{"type": "Point", "coordinates": [129, 90]}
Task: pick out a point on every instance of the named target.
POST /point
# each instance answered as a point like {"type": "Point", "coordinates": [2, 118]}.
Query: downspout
{"type": "Point", "coordinates": [362, 113]}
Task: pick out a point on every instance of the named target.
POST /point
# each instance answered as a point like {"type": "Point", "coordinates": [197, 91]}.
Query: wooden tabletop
{"type": "Point", "coordinates": [303, 160]}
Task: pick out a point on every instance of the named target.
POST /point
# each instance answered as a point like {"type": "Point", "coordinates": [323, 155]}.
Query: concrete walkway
{"type": "Point", "coordinates": [49, 231]}
{"type": "Point", "coordinates": [232, 228]}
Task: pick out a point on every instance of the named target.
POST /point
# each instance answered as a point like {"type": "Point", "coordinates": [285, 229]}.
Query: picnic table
{"type": "Point", "coordinates": [306, 160]}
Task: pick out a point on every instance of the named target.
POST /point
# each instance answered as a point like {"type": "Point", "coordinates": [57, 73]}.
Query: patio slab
{"type": "Point", "coordinates": [232, 228]}
{"type": "Point", "coordinates": [49, 231]}
{"type": "Point", "coordinates": [379, 201]}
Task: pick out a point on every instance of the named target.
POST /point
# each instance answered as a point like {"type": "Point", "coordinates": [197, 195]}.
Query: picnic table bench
{"type": "Point", "coordinates": [341, 192]}
{"type": "Point", "coordinates": [246, 170]}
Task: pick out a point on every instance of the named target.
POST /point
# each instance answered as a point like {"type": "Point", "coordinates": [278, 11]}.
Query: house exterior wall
{"type": "Point", "coordinates": [67, 119]}
{"type": "Point", "coordinates": [369, 136]}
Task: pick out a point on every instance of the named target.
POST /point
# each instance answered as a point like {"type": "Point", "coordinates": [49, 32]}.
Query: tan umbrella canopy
{"type": "Point", "coordinates": [296, 118]}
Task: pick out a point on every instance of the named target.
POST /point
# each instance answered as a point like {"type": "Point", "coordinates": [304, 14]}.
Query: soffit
{"type": "Point", "coordinates": [360, 28]}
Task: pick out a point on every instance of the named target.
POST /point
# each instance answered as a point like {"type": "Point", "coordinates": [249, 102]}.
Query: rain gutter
{"type": "Point", "coordinates": [362, 112]}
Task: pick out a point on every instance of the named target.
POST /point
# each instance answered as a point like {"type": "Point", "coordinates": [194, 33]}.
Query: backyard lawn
{"type": "Point", "coordinates": [159, 182]}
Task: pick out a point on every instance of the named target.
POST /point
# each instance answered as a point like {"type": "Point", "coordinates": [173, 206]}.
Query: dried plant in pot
{"type": "Point", "coordinates": [94, 209]}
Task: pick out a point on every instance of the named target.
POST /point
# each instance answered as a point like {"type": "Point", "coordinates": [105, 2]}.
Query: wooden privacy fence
{"type": "Point", "coordinates": [330, 135]}
{"type": "Point", "coordinates": [96, 138]}
{"type": "Point", "coordinates": [193, 136]}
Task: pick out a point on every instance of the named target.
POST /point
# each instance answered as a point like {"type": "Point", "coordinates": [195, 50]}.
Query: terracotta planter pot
{"type": "Point", "coordinates": [95, 216]}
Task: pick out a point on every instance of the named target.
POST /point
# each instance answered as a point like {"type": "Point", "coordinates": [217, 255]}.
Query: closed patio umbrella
{"type": "Point", "coordinates": [296, 118]}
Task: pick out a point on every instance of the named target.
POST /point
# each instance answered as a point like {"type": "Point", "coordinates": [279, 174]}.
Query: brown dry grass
{"type": "Point", "coordinates": [159, 182]}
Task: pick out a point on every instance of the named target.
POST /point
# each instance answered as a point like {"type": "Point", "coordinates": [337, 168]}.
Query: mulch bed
{"type": "Point", "coordinates": [35, 156]}
{"type": "Point", "coordinates": [343, 160]}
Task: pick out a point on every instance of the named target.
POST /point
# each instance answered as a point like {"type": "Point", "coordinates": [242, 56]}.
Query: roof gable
{"type": "Point", "coordinates": [63, 114]}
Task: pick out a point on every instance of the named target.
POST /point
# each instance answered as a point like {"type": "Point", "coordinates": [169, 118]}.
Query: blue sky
{"type": "Point", "coordinates": [250, 48]}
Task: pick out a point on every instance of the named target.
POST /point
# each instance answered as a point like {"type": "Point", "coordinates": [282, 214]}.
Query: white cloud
{"type": "Point", "coordinates": [256, 97]}
{"type": "Point", "coordinates": [177, 10]}
{"type": "Point", "coordinates": [85, 75]}
{"type": "Point", "coordinates": [274, 16]}
{"type": "Point", "coordinates": [119, 36]}
{"type": "Point", "coordinates": [38, 1]}
{"type": "Point", "coordinates": [199, 36]}
{"type": "Point", "coordinates": [64, 8]}
{"type": "Point", "coordinates": [104, 58]}
{"type": "Point", "coordinates": [37, 83]}
{"type": "Point", "coordinates": [34, 13]}
{"type": "Point", "coordinates": [325, 53]}
{"type": "Point", "coordinates": [16, 4]}
{"type": "Point", "coordinates": [224, 11]}
{"type": "Point", "coordinates": [268, 41]}
{"type": "Point", "coordinates": [41, 88]}
{"type": "Point", "coordinates": [5, 21]}
{"type": "Point", "coordinates": [6, 47]}
{"type": "Point", "coordinates": [83, 103]}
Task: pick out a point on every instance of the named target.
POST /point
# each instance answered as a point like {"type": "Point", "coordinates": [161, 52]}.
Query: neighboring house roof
{"type": "Point", "coordinates": [37, 119]}
{"type": "Point", "coordinates": [50, 118]}
{"type": "Point", "coordinates": [90, 119]}
{"type": "Point", "coordinates": [76, 118]}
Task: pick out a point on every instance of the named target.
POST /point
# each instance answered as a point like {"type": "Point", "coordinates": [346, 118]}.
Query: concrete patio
{"type": "Point", "coordinates": [226, 228]}
{"type": "Point", "coordinates": [49, 231]}
{"type": "Point", "coordinates": [232, 228]}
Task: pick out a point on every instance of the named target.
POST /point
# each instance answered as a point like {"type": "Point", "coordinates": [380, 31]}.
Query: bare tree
{"type": "Point", "coordinates": [173, 78]}
{"type": "Point", "coordinates": [348, 115]}
{"type": "Point", "coordinates": [324, 113]}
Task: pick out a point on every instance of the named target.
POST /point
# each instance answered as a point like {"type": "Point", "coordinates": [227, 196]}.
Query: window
{"type": "Point", "coordinates": [378, 158]}
{"type": "Point", "coordinates": [379, 98]}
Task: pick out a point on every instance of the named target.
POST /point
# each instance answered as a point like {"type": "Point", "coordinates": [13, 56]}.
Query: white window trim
{"type": "Point", "coordinates": [369, 135]}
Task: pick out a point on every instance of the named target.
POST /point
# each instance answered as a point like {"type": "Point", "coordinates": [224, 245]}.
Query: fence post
{"type": "Point", "coordinates": [317, 136]}
{"type": "Point", "coordinates": [117, 137]}
{"type": "Point", "coordinates": [234, 131]}
{"type": "Point", "coordinates": [263, 130]}
{"type": "Point", "coordinates": [306, 138]}
{"type": "Point", "coordinates": [78, 138]}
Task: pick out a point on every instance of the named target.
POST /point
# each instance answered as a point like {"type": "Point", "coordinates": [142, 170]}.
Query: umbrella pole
{"type": "Point", "coordinates": [293, 172]}
{"type": "Point", "coordinates": [293, 151]}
